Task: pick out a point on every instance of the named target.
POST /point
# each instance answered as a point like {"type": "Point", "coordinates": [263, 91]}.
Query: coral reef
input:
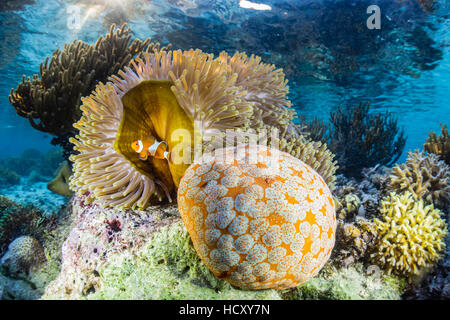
{"type": "Point", "coordinates": [95, 236]}
{"type": "Point", "coordinates": [8, 177]}
{"type": "Point", "coordinates": [23, 254]}
{"type": "Point", "coordinates": [60, 184]}
{"type": "Point", "coordinates": [51, 102]}
{"type": "Point", "coordinates": [197, 95]}
{"type": "Point", "coordinates": [411, 235]}
{"type": "Point", "coordinates": [19, 281]}
{"type": "Point", "coordinates": [33, 160]}
{"type": "Point", "coordinates": [167, 267]}
{"type": "Point", "coordinates": [17, 220]}
{"type": "Point", "coordinates": [439, 145]}
{"type": "Point", "coordinates": [426, 177]}
{"type": "Point", "coordinates": [353, 283]}
{"type": "Point", "coordinates": [353, 241]}
{"type": "Point", "coordinates": [375, 139]}
{"type": "Point", "coordinates": [248, 204]}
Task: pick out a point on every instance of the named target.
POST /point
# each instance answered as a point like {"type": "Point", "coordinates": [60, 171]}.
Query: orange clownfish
{"type": "Point", "coordinates": [150, 147]}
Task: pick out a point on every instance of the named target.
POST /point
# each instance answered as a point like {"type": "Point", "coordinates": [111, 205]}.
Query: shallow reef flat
{"type": "Point", "coordinates": [34, 193]}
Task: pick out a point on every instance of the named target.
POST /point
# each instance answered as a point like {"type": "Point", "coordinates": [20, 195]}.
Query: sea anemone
{"type": "Point", "coordinates": [411, 235]}
{"type": "Point", "coordinates": [186, 99]}
{"type": "Point", "coordinates": [258, 218]}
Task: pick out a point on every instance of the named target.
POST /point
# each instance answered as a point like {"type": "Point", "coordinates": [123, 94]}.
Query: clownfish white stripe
{"type": "Point", "coordinates": [154, 147]}
{"type": "Point", "coordinates": [166, 155]}
{"type": "Point", "coordinates": [141, 146]}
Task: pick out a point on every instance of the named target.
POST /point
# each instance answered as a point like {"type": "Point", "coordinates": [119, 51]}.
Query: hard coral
{"type": "Point", "coordinates": [23, 254]}
{"type": "Point", "coordinates": [426, 177]}
{"type": "Point", "coordinates": [51, 102]}
{"type": "Point", "coordinates": [439, 145]}
{"type": "Point", "coordinates": [411, 235]}
{"type": "Point", "coordinates": [17, 220]}
{"type": "Point", "coordinates": [259, 218]}
{"type": "Point", "coordinates": [361, 140]}
{"type": "Point", "coordinates": [194, 94]}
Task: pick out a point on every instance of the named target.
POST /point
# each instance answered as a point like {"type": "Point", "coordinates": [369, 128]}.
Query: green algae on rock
{"type": "Point", "coordinates": [351, 283]}
{"type": "Point", "coordinates": [167, 267]}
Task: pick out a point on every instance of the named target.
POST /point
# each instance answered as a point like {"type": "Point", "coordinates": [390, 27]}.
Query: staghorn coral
{"type": "Point", "coordinates": [411, 235]}
{"type": "Point", "coordinates": [426, 177]}
{"type": "Point", "coordinates": [24, 253]}
{"type": "Point", "coordinates": [194, 94]}
{"type": "Point", "coordinates": [253, 222]}
{"type": "Point", "coordinates": [439, 145]}
{"type": "Point", "coordinates": [375, 139]}
{"type": "Point", "coordinates": [51, 101]}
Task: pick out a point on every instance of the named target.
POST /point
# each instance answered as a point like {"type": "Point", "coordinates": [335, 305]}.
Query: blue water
{"type": "Point", "coordinates": [329, 55]}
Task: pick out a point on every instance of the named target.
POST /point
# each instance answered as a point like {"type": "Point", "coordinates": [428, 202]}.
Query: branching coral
{"type": "Point", "coordinates": [51, 101]}
{"type": "Point", "coordinates": [426, 177]}
{"type": "Point", "coordinates": [362, 140]}
{"type": "Point", "coordinates": [411, 235]}
{"type": "Point", "coordinates": [439, 145]}
{"type": "Point", "coordinates": [193, 95]}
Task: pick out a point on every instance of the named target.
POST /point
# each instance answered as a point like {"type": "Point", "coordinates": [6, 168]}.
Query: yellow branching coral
{"type": "Point", "coordinates": [426, 177]}
{"type": "Point", "coordinates": [439, 145]}
{"type": "Point", "coordinates": [411, 234]}
{"type": "Point", "coordinates": [168, 92]}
